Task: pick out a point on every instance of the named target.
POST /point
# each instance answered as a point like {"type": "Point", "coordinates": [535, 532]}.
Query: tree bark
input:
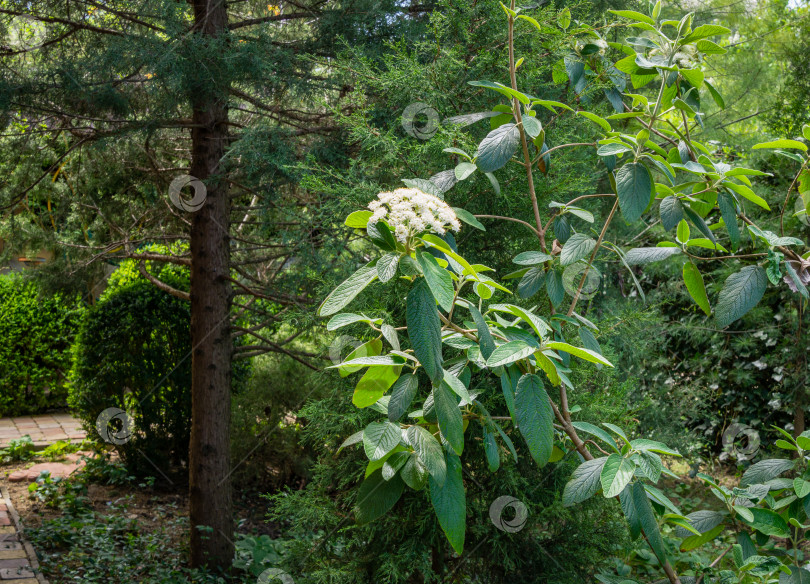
{"type": "Point", "coordinates": [210, 506]}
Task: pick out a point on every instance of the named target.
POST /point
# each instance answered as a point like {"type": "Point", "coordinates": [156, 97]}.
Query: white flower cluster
{"type": "Point", "coordinates": [410, 211]}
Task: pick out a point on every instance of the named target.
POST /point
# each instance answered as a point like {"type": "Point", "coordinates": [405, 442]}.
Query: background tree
{"type": "Point", "coordinates": [107, 103]}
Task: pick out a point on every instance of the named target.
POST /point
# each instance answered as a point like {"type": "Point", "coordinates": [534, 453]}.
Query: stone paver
{"type": "Point", "coordinates": [18, 561]}
{"type": "Point", "coordinates": [56, 469]}
{"type": "Point", "coordinates": [44, 430]}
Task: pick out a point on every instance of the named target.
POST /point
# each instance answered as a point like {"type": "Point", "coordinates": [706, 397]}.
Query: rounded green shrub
{"type": "Point", "coordinates": [133, 352]}
{"type": "Point", "coordinates": [36, 331]}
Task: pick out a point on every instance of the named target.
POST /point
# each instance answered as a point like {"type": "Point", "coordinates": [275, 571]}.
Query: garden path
{"type": "Point", "coordinates": [43, 429]}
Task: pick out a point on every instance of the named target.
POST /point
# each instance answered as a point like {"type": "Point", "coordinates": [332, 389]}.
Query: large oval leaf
{"type": "Point", "coordinates": [497, 148]}
{"type": "Point", "coordinates": [424, 329]}
{"type": "Point", "coordinates": [634, 186]}
{"type": "Point", "coordinates": [429, 451]}
{"type": "Point", "coordinates": [616, 474]}
{"type": "Point", "coordinates": [449, 503]}
{"type": "Point", "coordinates": [438, 279]}
{"type": "Point", "coordinates": [584, 482]}
{"type": "Point", "coordinates": [451, 422]}
{"type": "Point", "coordinates": [535, 417]}
{"type": "Point", "coordinates": [348, 289]}
{"type": "Point", "coordinates": [376, 497]}
{"type": "Point", "coordinates": [741, 292]}
{"type": "Point", "coordinates": [576, 248]}
{"type": "Point", "coordinates": [380, 438]}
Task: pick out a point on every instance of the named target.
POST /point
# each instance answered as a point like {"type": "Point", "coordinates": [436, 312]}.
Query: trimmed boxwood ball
{"type": "Point", "coordinates": [36, 331]}
{"type": "Point", "coordinates": [133, 352]}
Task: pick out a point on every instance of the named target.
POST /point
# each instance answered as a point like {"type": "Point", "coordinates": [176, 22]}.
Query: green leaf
{"type": "Point", "coordinates": [702, 521]}
{"type": "Point", "coordinates": [802, 487]}
{"type": "Point", "coordinates": [683, 233]}
{"type": "Point", "coordinates": [697, 289]}
{"type": "Point", "coordinates": [485, 340]}
{"type": "Point", "coordinates": [394, 463]}
{"type": "Point", "coordinates": [577, 247]}
{"type": "Point", "coordinates": [616, 475]}
{"type": "Point", "coordinates": [705, 31]}
{"type": "Point", "coordinates": [468, 218]}
{"type": "Point", "coordinates": [531, 282]}
{"type": "Point", "coordinates": [747, 193]}
{"type": "Point", "coordinates": [612, 149]}
{"type": "Point", "coordinates": [584, 483]}
{"type": "Point", "coordinates": [718, 99]}
{"type": "Point", "coordinates": [348, 289]}
{"type": "Point", "coordinates": [554, 287]}
{"type": "Point", "coordinates": [634, 186]}
{"type": "Point", "coordinates": [695, 541]}
{"type": "Point", "coordinates": [437, 278]}
{"type": "Point", "coordinates": [374, 383]}
{"type": "Point", "coordinates": [710, 48]}
{"type": "Point", "coordinates": [464, 169]}
{"type": "Point", "coordinates": [596, 431]}
{"type": "Point", "coordinates": [414, 473]}
{"type": "Point", "coordinates": [764, 471]}
{"type": "Point", "coordinates": [646, 519]}
{"type": "Point", "coordinates": [429, 451]}
{"type": "Point", "coordinates": [402, 395]}
{"type": "Point", "coordinates": [449, 503]}
{"type": "Point", "coordinates": [600, 121]}
{"type": "Point", "coordinates": [531, 258]}
{"type": "Point", "coordinates": [798, 576]}
{"type": "Point", "coordinates": [358, 219]}
{"type": "Point", "coordinates": [768, 522]}
{"type": "Point", "coordinates": [584, 354]}
{"type": "Point", "coordinates": [497, 148]}
{"type": "Point", "coordinates": [532, 126]}
{"type": "Point", "coordinates": [451, 423]}
{"type": "Point", "coordinates": [653, 446]}
{"type": "Point", "coordinates": [729, 214]}
{"type": "Point", "coordinates": [792, 144]}
{"type": "Point", "coordinates": [632, 15]}
{"type": "Point", "coordinates": [376, 497]}
{"type": "Point", "coordinates": [502, 89]}
{"type": "Point", "coordinates": [492, 451]}
{"type": "Point", "coordinates": [671, 212]}
{"type": "Point", "coordinates": [564, 18]}
{"type": "Point", "coordinates": [380, 438]}
{"type": "Point", "coordinates": [345, 319]}
{"type": "Point", "coordinates": [646, 255]}
{"type": "Point", "coordinates": [387, 266]}
{"type": "Point", "coordinates": [741, 292]}
{"type": "Point", "coordinates": [535, 417]}
{"type": "Point", "coordinates": [424, 330]}
{"type": "Point", "coordinates": [355, 438]}
{"type": "Point", "coordinates": [509, 353]}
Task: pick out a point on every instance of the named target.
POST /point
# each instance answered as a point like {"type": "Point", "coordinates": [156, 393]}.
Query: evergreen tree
{"type": "Point", "coordinates": [110, 105]}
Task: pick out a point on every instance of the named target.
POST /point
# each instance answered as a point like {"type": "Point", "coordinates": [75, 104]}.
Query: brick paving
{"type": "Point", "coordinates": [18, 561]}
{"type": "Point", "coordinates": [43, 429]}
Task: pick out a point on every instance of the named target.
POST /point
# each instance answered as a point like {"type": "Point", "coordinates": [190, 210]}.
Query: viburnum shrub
{"type": "Point", "coordinates": [460, 322]}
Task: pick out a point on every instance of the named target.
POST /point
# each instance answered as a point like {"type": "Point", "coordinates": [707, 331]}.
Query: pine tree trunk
{"type": "Point", "coordinates": [210, 505]}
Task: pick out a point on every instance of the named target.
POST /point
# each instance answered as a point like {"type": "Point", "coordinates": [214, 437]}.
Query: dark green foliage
{"type": "Point", "coordinates": [557, 545]}
{"type": "Point", "coordinates": [36, 331]}
{"type": "Point", "coordinates": [133, 352]}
